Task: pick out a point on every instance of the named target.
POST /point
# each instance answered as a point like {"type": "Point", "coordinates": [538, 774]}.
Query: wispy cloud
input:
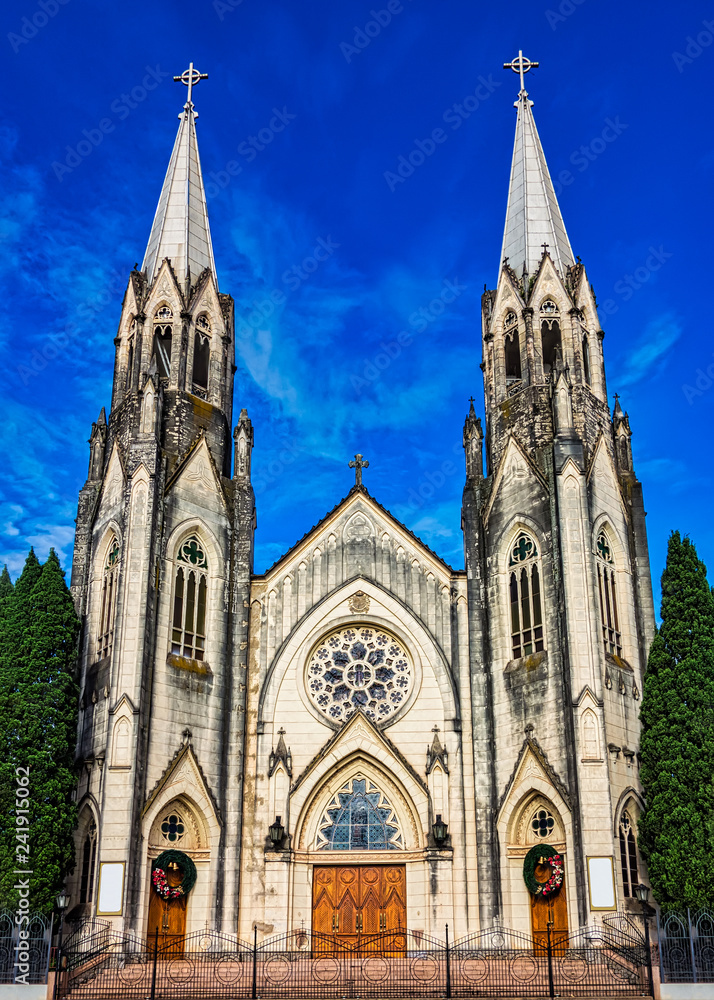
{"type": "Point", "coordinates": [651, 349]}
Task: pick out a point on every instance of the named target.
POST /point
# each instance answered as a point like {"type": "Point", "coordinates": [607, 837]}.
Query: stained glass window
{"type": "Point", "coordinates": [359, 667]}
{"type": "Point", "coordinates": [359, 818]}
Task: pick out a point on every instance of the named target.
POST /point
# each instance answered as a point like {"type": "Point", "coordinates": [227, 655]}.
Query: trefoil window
{"type": "Point", "coordinates": [188, 634]}
{"type": "Point", "coordinates": [524, 588]}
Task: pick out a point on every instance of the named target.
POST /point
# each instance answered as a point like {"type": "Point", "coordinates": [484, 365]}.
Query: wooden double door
{"type": "Point", "coordinates": [353, 903]}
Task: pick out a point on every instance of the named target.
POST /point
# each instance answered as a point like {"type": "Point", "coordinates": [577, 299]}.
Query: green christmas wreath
{"type": "Point", "coordinates": [553, 859]}
{"type": "Point", "coordinates": [158, 874]}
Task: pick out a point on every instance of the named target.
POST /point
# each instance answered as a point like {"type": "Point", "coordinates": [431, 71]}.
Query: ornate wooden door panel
{"type": "Point", "coordinates": [394, 898]}
{"type": "Point", "coordinates": [355, 904]}
{"type": "Point", "coordinates": [347, 909]}
{"type": "Point", "coordinates": [324, 894]}
{"type": "Point", "coordinates": [552, 910]}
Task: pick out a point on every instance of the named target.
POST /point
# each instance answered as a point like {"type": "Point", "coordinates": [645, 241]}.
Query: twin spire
{"type": "Point", "coordinates": [533, 216]}
{"type": "Point", "coordinates": [180, 229]}
{"type": "Point", "coordinates": [533, 219]}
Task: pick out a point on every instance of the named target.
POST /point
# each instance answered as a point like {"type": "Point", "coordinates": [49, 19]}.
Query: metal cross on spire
{"type": "Point", "coordinates": [190, 77]}
{"type": "Point", "coordinates": [521, 65]}
{"type": "Point", "coordinates": [358, 465]}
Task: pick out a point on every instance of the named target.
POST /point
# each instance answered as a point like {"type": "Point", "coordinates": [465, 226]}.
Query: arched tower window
{"type": "Point", "coordinates": [89, 863]}
{"type": "Point", "coordinates": [163, 330]}
{"type": "Point", "coordinates": [628, 855]}
{"type": "Point", "coordinates": [188, 635]}
{"type": "Point", "coordinates": [549, 334]}
{"type": "Point", "coordinates": [524, 587]}
{"type": "Point", "coordinates": [110, 579]}
{"type": "Point", "coordinates": [201, 355]}
{"type": "Point", "coordinates": [586, 358]}
{"type": "Point", "coordinates": [359, 818]}
{"type": "Point", "coordinates": [607, 589]}
{"type": "Point", "coordinates": [512, 350]}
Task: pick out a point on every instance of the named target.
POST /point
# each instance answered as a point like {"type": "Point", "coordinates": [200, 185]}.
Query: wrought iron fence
{"type": "Point", "coordinates": [686, 946]}
{"type": "Point", "coordinates": [403, 963]}
{"type": "Point", "coordinates": [24, 961]}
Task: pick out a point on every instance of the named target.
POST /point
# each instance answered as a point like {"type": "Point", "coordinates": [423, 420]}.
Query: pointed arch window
{"type": "Point", "coordinates": [89, 864]}
{"type": "Point", "coordinates": [607, 590]}
{"type": "Point", "coordinates": [628, 855]}
{"type": "Point", "coordinates": [163, 330]}
{"type": "Point", "coordinates": [549, 335]}
{"type": "Point", "coordinates": [359, 818]}
{"type": "Point", "coordinates": [201, 356]}
{"type": "Point", "coordinates": [188, 633]}
{"type": "Point", "coordinates": [524, 591]}
{"type": "Point", "coordinates": [110, 580]}
{"type": "Point", "coordinates": [586, 358]}
{"type": "Point", "coordinates": [512, 350]}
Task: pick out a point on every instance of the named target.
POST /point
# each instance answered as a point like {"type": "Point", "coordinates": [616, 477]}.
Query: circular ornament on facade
{"type": "Point", "coordinates": [180, 971]}
{"type": "Point", "coordinates": [277, 971]}
{"type": "Point", "coordinates": [375, 970]}
{"type": "Point", "coordinates": [131, 973]}
{"type": "Point", "coordinates": [425, 969]}
{"type": "Point", "coordinates": [325, 970]}
{"type": "Point", "coordinates": [574, 968]}
{"type": "Point", "coordinates": [158, 874]}
{"type": "Point", "coordinates": [474, 969]}
{"type": "Point", "coordinates": [229, 970]}
{"type": "Point", "coordinates": [543, 854]}
{"type": "Point", "coordinates": [359, 668]}
{"type": "Point", "coordinates": [524, 968]}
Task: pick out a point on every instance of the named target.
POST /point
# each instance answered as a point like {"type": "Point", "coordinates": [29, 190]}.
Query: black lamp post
{"type": "Point", "coordinates": [642, 892]}
{"type": "Point", "coordinates": [62, 903]}
{"type": "Point", "coordinates": [440, 830]}
{"type": "Point", "coordinates": [276, 831]}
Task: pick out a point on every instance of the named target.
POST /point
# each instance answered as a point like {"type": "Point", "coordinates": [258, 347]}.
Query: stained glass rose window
{"type": "Point", "coordinates": [359, 667]}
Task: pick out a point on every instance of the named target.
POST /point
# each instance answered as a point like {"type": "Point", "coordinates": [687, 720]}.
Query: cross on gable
{"type": "Point", "coordinates": [358, 464]}
{"type": "Point", "coordinates": [521, 65]}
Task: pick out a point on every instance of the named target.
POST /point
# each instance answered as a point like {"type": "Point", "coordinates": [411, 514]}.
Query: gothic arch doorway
{"type": "Point", "coordinates": [540, 829]}
{"type": "Point", "coordinates": [175, 829]}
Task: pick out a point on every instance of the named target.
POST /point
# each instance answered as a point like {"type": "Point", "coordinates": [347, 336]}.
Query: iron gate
{"type": "Point", "coordinates": [308, 966]}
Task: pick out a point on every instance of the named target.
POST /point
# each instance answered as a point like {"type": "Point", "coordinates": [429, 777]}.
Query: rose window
{"type": "Point", "coordinates": [359, 668]}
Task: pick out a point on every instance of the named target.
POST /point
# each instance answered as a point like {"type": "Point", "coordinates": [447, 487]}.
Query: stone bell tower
{"type": "Point", "coordinates": [163, 553]}
{"type": "Point", "coordinates": [556, 552]}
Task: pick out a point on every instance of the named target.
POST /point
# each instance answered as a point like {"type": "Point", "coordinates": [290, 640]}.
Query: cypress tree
{"type": "Point", "coordinates": [40, 644]}
{"type": "Point", "coordinates": [677, 743]}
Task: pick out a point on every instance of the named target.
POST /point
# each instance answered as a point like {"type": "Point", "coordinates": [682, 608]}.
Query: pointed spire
{"type": "Point", "coordinates": [534, 223]}
{"type": "Point", "coordinates": [180, 229]}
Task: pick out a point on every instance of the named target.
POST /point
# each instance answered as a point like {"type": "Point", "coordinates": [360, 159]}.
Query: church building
{"type": "Point", "coordinates": [361, 738]}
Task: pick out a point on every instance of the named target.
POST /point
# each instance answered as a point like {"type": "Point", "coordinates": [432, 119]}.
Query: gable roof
{"type": "Point", "coordinates": [362, 490]}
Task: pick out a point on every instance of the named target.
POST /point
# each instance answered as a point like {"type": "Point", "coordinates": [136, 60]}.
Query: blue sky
{"type": "Point", "coordinates": [85, 138]}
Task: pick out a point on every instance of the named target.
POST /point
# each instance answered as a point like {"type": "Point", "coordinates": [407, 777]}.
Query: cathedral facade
{"type": "Point", "coordinates": [361, 738]}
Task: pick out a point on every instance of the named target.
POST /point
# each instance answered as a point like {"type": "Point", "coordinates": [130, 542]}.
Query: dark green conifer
{"type": "Point", "coordinates": [677, 743]}
{"type": "Point", "coordinates": [39, 644]}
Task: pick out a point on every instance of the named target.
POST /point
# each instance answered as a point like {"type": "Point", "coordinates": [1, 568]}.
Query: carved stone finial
{"type": "Point", "coordinates": [436, 753]}
{"type": "Point", "coordinates": [187, 736]}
